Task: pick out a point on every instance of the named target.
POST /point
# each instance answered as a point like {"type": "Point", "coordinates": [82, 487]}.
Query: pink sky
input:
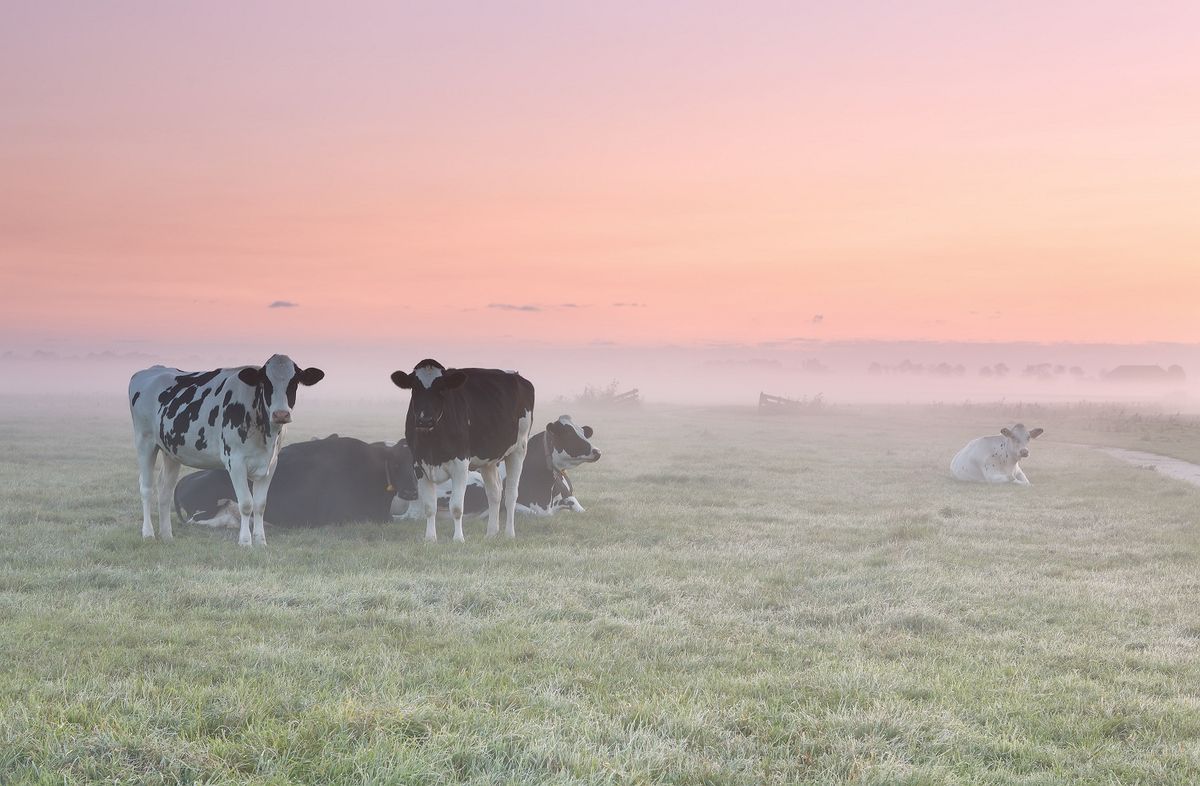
{"type": "Point", "coordinates": [741, 172]}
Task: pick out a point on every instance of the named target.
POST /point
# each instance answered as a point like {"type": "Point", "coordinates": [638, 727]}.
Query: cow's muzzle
{"type": "Point", "coordinates": [1024, 453]}
{"type": "Point", "coordinates": [595, 455]}
{"type": "Point", "coordinates": [281, 416]}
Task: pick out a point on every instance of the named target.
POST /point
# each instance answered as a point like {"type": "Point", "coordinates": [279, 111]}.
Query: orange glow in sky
{"type": "Point", "coordinates": [722, 171]}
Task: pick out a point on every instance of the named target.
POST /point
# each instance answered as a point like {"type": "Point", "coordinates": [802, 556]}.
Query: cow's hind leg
{"type": "Point", "coordinates": [166, 495]}
{"type": "Point", "coordinates": [513, 463]}
{"type": "Point", "coordinates": [147, 454]}
{"type": "Point", "coordinates": [493, 489]}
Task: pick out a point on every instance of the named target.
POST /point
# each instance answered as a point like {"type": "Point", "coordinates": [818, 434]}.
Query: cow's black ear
{"type": "Point", "coordinates": [311, 376]}
{"type": "Point", "coordinates": [402, 380]}
{"type": "Point", "coordinates": [587, 432]}
{"type": "Point", "coordinates": [1037, 432]}
{"type": "Point", "coordinates": [251, 376]}
{"type": "Point", "coordinates": [452, 380]}
{"type": "Point", "coordinates": [1006, 432]}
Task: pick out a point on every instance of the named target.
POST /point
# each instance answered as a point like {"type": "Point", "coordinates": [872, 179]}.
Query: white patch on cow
{"type": "Point", "coordinates": [570, 503]}
{"type": "Point", "coordinates": [427, 374]}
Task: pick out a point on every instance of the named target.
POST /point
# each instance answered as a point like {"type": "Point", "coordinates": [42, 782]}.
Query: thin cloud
{"type": "Point", "coordinates": [629, 305]}
{"type": "Point", "coordinates": [514, 307]}
{"type": "Point", "coordinates": [284, 304]}
{"type": "Point", "coordinates": [818, 319]}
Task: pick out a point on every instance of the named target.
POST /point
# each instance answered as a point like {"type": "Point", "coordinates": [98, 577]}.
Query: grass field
{"type": "Point", "coordinates": [748, 600]}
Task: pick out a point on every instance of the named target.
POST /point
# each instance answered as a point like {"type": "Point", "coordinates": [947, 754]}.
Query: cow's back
{"type": "Point", "coordinates": [145, 387]}
{"type": "Point", "coordinates": [967, 464]}
{"type": "Point", "coordinates": [329, 481]}
{"type": "Point", "coordinates": [497, 402]}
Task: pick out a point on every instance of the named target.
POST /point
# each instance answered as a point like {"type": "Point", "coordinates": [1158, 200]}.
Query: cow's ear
{"type": "Point", "coordinates": [402, 380]}
{"type": "Point", "coordinates": [1006, 432]}
{"type": "Point", "coordinates": [452, 380]}
{"type": "Point", "coordinates": [311, 376]}
{"type": "Point", "coordinates": [587, 432]}
{"type": "Point", "coordinates": [251, 376]}
{"type": "Point", "coordinates": [1037, 432]}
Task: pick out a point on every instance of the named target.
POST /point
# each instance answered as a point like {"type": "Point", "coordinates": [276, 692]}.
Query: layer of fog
{"type": "Point", "coordinates": [848, 372]}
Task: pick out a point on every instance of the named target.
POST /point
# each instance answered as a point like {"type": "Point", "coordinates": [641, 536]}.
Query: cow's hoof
{"type": "Point", "coordinates": [148, 536]}
{"type": "Point", "coordinates": [244, 543]}
{"type": "Point", "coordinates": [491, 534]}
{"type": "Point", "coordinates": [167, 538]}
{"type": "Point", "coordinates": [510, 535]}
{"type": "Point", "coordinates": [459, 539]}
{"type": "Point", "coordinates": [260, 541]}
{"type": "Point", "coordinates": [431, 538]}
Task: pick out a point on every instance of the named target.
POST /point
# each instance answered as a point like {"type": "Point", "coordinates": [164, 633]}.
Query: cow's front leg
{"type": "Point", "coordinates": [1019, 477]}
{"type": "Point", "coordinates": [259, 499]}
{"type": "Point", "coordinates": [491, 485]}
{"type": "Point", "coordinates": [166, 495]}
{"type": "Point", "coordinates": [245, 500]}
{"type": "Point", "coordinates": [458, 492]}
{"type": "Point", "coordinates": [427, 496]}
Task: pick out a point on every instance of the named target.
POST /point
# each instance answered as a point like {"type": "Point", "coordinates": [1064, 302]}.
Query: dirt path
{"type": "Point", "coordinates": [1171, 467]}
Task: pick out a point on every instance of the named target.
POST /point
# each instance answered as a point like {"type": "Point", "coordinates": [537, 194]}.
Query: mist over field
{"type": "Point", "coordinates": [856, 436]}
{"type": "Point", "coordinates": [839, 372]}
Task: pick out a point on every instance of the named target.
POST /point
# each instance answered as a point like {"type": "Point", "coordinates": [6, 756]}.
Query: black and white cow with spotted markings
{"type": "Point", "coordinates": [463, 419]}
{"type": "Point", "coordinates": [228, 418]}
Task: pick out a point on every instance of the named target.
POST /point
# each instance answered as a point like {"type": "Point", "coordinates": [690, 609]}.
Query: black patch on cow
{"type": "Point", "coordinates": [201, 442]}
{"type": "Point", "coordinates": [212, 415]}
{"type": "Point", "coordinates": [136, 396]}
{"type": "Point", "coordinates": [479, 418]}
{"type": "Point", "coordinates": [325, 481]}
{"type": "Point", "coordinates": [180, 405]}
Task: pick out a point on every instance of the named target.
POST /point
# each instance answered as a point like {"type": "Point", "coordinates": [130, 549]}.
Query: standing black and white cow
{"type": "Point", "coordinates": [463, 419]}
{"type": "Point", "coordinates": [229, 418]}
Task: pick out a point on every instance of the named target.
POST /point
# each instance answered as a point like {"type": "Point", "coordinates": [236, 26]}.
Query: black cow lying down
{"type": "Point", "coordinates": [324, 481]}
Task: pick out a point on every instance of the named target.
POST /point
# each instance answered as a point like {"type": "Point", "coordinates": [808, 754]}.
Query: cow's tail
{"type": "Point", "coordinates": [178, 508]}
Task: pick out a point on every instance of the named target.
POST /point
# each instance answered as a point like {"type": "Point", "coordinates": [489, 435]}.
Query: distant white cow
{"type": "Point", "coordinates": [994, 459]}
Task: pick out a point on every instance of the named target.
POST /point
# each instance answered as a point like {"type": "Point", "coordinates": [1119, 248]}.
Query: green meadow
{"type": "Point", "coordinates": [747, 600]}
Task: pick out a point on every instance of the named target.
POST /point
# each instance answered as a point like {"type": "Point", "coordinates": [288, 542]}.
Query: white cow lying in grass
{"type": "Point", "coordinates": [994, 459]}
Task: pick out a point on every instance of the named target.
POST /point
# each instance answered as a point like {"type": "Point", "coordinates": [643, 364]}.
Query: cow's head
{"type": "Point", "coordinates": [400, 471]}
{"type": "Point", "coordinates": [429, 383]}
{"type": "Point", "coordinates": [567, 445]}
{"type": "Point", "coordinates": [1019, 438]}
{"type": "Point", "coordinates": [278, 379]}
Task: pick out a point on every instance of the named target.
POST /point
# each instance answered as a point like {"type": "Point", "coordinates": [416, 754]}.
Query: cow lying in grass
{"type": "Point", "coordinates": [994, 459]}
{"type": "Point", "coordinates": [324, 481]}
